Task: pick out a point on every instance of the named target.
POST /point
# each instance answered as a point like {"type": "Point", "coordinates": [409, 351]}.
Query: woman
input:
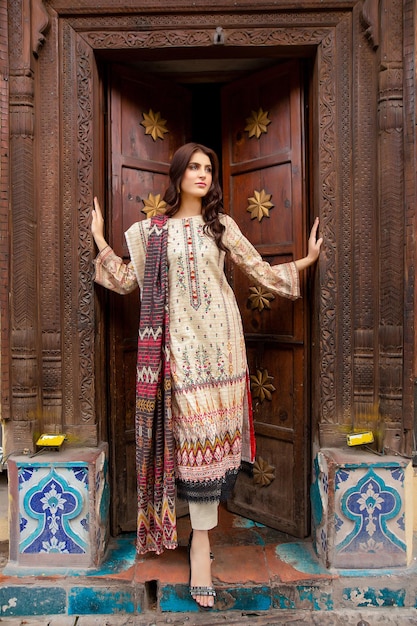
{"type": "Point", "coordinates": [204, 354]}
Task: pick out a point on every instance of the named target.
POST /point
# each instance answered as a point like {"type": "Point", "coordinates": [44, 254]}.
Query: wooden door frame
{"type": "Point", "coordinates": [355, 359]}
{"type": "Point", "coordinates": [332, 398]}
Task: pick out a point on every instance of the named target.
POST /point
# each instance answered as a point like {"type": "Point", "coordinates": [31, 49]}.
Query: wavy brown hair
{"type": "Point", "coordinates": [212, 203]}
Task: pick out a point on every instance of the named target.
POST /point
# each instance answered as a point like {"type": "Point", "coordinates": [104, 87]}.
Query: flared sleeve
{"type": "Point", "coordinates": [282, 279]}
{"type": "Point", "coordinates": [112, 273]}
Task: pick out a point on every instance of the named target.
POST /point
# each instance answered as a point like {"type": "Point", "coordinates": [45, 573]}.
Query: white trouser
{"type": "Point", "coordinates": [203, 515]}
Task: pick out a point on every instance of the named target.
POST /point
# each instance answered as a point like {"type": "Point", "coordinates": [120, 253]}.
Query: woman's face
{"type": "Point", "coordinates": [197, 177]}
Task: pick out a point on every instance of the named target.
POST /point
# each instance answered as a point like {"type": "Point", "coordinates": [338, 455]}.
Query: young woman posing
{"type": "Point", "coordinates": [178, 263]}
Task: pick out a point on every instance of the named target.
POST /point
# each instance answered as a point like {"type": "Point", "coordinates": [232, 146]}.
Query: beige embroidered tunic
{"type": "Point", "coordinates": [207, 348]}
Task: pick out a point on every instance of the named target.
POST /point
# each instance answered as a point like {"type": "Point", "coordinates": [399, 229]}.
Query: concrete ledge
{"type": "Point", "coordinates": [394, 617]}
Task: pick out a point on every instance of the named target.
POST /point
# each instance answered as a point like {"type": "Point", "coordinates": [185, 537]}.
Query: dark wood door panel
{"type": "Point", "coordinates": [138, 97]}
{"type": "Point", "coordinates": [279, 404]}
{"type": "Point", "coordinates": [264, 192]}
{"type": "Point", "coordinates": [273, 185]}
{"type": "Point", "coordinates": [251, 94]}
{"type": "Point", "coordinates": [278, 510]}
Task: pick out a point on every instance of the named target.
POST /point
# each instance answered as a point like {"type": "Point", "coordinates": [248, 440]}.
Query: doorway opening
{"type": "Point", "coordinates": [206, 118]}
{"type": "Point", "coordinates": [214, 112]}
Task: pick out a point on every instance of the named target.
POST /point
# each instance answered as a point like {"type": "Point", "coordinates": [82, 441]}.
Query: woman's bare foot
{"type": "Point", "coordinates": [200, 563]}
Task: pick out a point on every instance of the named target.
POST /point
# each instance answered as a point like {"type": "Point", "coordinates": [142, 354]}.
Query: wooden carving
{"type": "Point", "coordinates": [365, 367]}
{"type": "Point", "coordinates": [370, 16]}
{"type": "Point", "coordinates": [330, 32]}
{"type": "Point", "coordinates": [49, 225]}
{"type": "Point", "coordinates": [25, 381]}
{"type": "Point", "coordinates": [325, 38]}
{"type": "Point", "coordinates": [390, 118]}
{"type": "Point", "coordinates": [259, 204]}
{"type": "Point", "coordinates": [39, 24]}
{"type": "Point", "coordinates": [85, 201]}
{"type": "Point", "coordinates": [257, 123]}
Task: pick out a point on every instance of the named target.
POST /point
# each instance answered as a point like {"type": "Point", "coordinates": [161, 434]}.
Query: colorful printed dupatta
{"type": "Point", "coordinates": [154, 437]}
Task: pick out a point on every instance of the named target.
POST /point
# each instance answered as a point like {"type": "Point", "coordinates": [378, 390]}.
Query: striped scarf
{"type": "Point", "coordinates": [154, 437]}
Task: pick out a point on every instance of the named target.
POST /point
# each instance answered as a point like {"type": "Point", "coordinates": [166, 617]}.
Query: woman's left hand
{"type": "Point", "coordinates": [314, 244]}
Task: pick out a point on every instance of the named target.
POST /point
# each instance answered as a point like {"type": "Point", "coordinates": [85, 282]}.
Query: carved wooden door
{"type": "Point", "coordinates": [263, 173]}
{"type": "Point", "coordinates": [148, 122]}
{"type": "Point", "coordinates": [263, 183]}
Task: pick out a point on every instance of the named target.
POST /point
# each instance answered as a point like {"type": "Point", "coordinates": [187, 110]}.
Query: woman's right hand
{"type": "Point", "coordinates": [97, 226]}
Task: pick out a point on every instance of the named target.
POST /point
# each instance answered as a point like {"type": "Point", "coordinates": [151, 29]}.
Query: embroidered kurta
{"type": "Point", "coordinates": [207, 348]}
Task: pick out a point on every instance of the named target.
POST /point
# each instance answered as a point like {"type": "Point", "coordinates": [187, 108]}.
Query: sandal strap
{"type": "Point", "coordinates": [203, 591]}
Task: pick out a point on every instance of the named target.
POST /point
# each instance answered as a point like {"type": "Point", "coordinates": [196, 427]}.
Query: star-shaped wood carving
{"type": "Point", "coordinates": [257, 123]}
{"type": "Point", "coordinates": [261, 385]}
{"type": "Point", "coordinates": [260, 298]}
{"type": "Point", "coordinates": [154, 205]}
{"type": "Point", "coordinates": [154, 125]}
{"type": "Point", "coordinates": [259, 204]}
{"type": "Point", "coordinates": [263, 473]}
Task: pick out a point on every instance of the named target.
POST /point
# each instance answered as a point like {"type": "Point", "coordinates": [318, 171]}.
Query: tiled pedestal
{"type": "Point", "coordinates": [59, 505]}
{"type": "Point", "coordinates": [362, 508]}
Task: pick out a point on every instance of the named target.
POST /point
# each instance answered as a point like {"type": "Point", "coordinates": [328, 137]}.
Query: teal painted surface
{"type": "Point", "coordinates": [19, 600]}
{"type": "Point", "coordinates": [105, 497]}
{"type": "Point", "coordinates": [176, 599]}
{"type": "Point", "coordinates": [307, 597]}
{"type": "Point", "coordinates": [372, 597]}
{"type": "Point", "coordinates": [100, 601]}
{"type": "Point", "coordinates": [248, 598]}
{"type": "Point", "coordinates": [300, 556]}
{"type": "Point", "coordinates": [317, 600]}
{"type": "Point", "coordinates": [120, 557]}
{"type": "Point", "coordinates": [315, 497]}
{"type": "Point", "coordinates": [282, 601]}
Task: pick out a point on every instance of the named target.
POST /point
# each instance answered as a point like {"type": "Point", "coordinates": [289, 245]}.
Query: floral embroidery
{"type": "Point", "coordinates": [181, 274]}
{"type": "Point", "coordinates": [186, 366]}
{"type": "Point", "coordinates": [200, 235]}
{"type": "Point", "coordinates": [220, 365]}
{"type": "Point", "coordinates": [206, 296]}
{"type": "Point", "coordinates": [203, 365]}
{"type": "Point", "coordinates": [192, 267]}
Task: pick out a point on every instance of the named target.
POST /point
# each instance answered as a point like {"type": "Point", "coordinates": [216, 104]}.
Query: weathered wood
{"type": "Point", "coordinates": [272, 163]}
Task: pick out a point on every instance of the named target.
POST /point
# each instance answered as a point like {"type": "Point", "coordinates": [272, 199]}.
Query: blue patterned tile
{"type": "Point", "coordinates": [370, 505]}
{"type": "Point", "coordinates": [342, 476]}
{"type": "Point", "coordinates": [52, 506]}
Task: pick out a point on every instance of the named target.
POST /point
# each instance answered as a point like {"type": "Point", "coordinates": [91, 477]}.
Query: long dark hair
{"type": "Point", "coordinates": [212, 203]}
